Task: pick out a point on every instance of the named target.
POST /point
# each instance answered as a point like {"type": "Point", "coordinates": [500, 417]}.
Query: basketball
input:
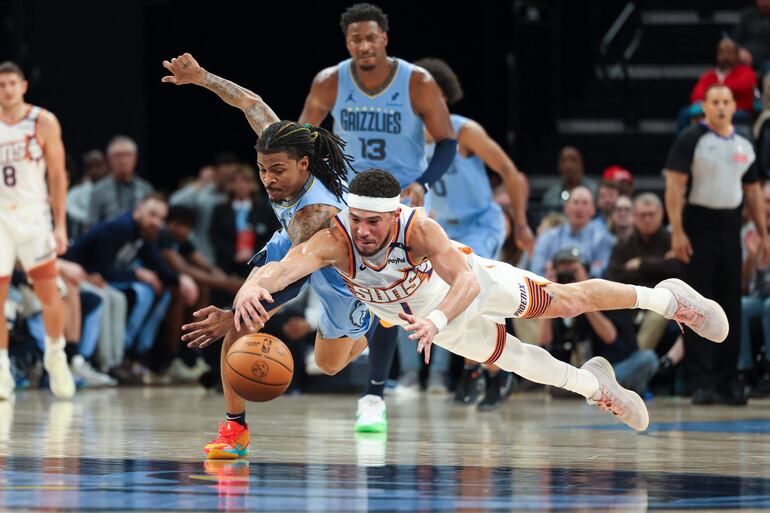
{"type": "Point", "coordinates": [259, 367]}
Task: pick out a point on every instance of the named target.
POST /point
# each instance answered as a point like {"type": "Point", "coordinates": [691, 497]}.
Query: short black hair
{"type": "Point", "coordinates": [181, 214]}
{"type": "Point", "coordinates": [445, 77]}
{"type": "Point", "coordinates": [375, 183]}
{"type": "Point", "coordinates": [11, 67]}
{"type": "Point", "coordinates": [363, 12]}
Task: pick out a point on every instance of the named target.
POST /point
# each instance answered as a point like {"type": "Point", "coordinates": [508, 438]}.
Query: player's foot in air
{"type": "Point", "coordinates": [613, 398]}
{"type": "Point", "coordinates": [469, 386]}
{"type": "Point", "coordinates": [60, 378]}
{"type": "Point", "coordinates": [704, 316]}
{"type": "Point", "coordinates": [231, 443]}
{"type": "Point", "coordinates": [372, 415]}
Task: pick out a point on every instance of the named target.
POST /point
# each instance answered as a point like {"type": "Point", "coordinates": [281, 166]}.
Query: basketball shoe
{"type": "Point", "coordinates": [613, 398]}
{"type": "Point", "coordinates": [232, 442]}
{"type": "Point", "coordinates": [60, 378]}
{"type": "Point", "coordinates": [704, 316]}
{"type": "Point", "coordinates": [372, 415]}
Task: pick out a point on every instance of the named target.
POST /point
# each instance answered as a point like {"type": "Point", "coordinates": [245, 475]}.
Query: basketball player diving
{"type": "Point", "coordinates": [303, 169]}
{"type": "Point", "coordinates": [406, 269]}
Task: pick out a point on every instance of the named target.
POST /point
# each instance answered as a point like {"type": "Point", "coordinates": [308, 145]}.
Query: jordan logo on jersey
{"type": "Point", "coordinates": [17, 151]}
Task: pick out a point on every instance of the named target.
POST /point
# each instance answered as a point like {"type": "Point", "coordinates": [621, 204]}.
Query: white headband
{"type": "Point", "coordinates": [374, 204]}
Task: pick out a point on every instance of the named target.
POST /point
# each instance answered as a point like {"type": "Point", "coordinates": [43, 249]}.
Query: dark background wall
{"type": "Point", "coordinates": [97, 65]}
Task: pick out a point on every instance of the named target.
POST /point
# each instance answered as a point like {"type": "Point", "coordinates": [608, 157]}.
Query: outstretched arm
{"type": "Point", "coordinates": [320, 100]}
{"type": "Point", "coordinates": [324, 248]}
{"type": "Point", "coordinates": [186, 70]}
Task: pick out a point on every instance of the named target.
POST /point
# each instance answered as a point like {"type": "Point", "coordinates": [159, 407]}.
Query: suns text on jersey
{"type": "Point", "coordinates": [396, 292]}
{"type": "Point", "coordinates": [18, 151]}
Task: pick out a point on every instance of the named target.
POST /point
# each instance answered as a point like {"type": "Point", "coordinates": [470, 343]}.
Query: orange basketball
{"type": "Point", "coordinates": [259, 367]}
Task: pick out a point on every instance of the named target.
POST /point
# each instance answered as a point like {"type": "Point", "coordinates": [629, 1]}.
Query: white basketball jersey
{"type": "Point", "coordinates": [22, 166]}
{"type": "Point", "coordinates": [391, 282]}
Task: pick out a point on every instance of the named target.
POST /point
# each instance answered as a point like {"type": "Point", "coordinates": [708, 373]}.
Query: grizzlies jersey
{"type": "Point", "coordinates": [464, 192]}
{"type": "Point", "coordinates": [313, 193]}
{"type": "Point", "coordinates": [342, 315]}
{"type": "Point", "coordinates": [22, 165]}
{"type": "Point", "coordinates": [396, 284]}
{"type": "Point", "coordinates": [383, 130]}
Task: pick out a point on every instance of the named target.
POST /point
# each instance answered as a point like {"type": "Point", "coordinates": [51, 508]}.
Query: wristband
{"type": "Point", "coordinates": [438, 318]}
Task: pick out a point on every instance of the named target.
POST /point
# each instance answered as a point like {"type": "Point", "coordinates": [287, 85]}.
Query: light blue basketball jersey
{"type": "Point", "coordinates": [314, 192]}
{"type": "Point", "coordinates": [463, 204]}
{"type": "Point", "coordinates": [383, 130]}
{"type": "Point", "coordinates": [343, 315]}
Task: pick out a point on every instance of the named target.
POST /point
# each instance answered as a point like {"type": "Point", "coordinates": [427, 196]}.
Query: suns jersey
{"type": "Point", "coordinates": [381, 130]}
{"type": "Point", "coordinates": [22, 166]}
{"type": "Point", "coordinates": [392, 282]}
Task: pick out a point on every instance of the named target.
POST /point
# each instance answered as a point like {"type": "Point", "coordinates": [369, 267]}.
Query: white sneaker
{"type": "Point", "coordinates": [59, 376]}
{"type": "Point", "coordinates": [181, 373]}
{"type": "Point", "coordinates": [623, 403]}
{"type": "Point", "coordinates": [704, 316]}
{"type": "Point", "coordinates": [7, 383]}
{"type": "Point", "coordinates": [92, 378]}
{"type": "Point", "coordinates": [372, 416]}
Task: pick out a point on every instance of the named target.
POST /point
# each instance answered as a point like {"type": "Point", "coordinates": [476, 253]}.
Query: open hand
{"type": "Point", "coordinates": [214, 325]}
{"type": "Point", "coordinates": [424, 331]}
{"type": "Point", "coordinates": [248, 308]}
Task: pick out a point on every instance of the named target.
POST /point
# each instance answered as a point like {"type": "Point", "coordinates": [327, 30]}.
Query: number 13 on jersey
{"type": "Point", "coordinates": [372, 149]}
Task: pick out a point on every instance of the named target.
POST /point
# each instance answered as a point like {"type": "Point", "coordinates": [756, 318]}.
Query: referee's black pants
{"type": "Point", "coordinates": [714, 271]}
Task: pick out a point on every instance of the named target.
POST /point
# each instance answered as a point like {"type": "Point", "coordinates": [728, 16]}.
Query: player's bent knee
{"type": "Point", "coordinates": [329, 366]}
{"type": "Point", "coordinates": [46, 271]}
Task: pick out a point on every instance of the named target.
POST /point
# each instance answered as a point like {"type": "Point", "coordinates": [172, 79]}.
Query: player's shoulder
{"type": "Point", "coordinates": [420, 75]}
{"type": "Point", "coordinates": [327, 77]}
{"type": "Point", "coordinates": [46, 118]}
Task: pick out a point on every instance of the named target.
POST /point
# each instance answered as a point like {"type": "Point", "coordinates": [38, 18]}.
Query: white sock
{"type": "Point", "coordinates": [536, 364]}
{"type": "Point", "coordinates": [56, 344]}
{"type": "Point", "coordinates": [4, 360]}
{"type": "Point", "coordinates": [660, 301]}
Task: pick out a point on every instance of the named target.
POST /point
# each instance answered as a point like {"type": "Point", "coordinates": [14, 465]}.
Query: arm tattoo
{"type": "Point", "coordinates": [310, 220]}
{"type": "Point", "coordinates": [257, 112]}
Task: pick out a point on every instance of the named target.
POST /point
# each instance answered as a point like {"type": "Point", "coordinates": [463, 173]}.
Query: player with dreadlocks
{"type": "Point", "coordinates": [304, 171]}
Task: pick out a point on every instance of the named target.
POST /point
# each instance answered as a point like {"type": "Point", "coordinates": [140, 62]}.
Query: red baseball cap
{"type": "Point", "coordinates": [617, 174]}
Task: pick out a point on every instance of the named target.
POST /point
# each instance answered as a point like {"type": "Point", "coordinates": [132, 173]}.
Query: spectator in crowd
{"type": "Point", "coordinates": [204, 197]}
{"type": "Point", "coordinates": [182, 256]}
{"type": "Point", "coordinates": [621, 224]}
{"type": "Point", "coordinates": [753, 35]}
{"type": "Point", "coordinates": [124, 252]}
{"type": "Point", "coordinates": [620, 176]}
{"type": "Point", "coordinates": [607, 194]}
{"type": "Point", "coordinates": [755, 302]}
{"type": "Point", "coordinates": [645, 259]}
{"type": "Point", "coordinates": [593, 240]}
{"type": "Point", "coordinates": [82, 325]}
{"type": "Point", "coordinates": [112, 326]}
{"type": "Point", "coordinates": [79, 197]}
{"type": "Point", "coordinates": [611, 333]}
{"type": "Point", "coordinates": [571, 172]}
{"type": "Point", "coordinates": [762, 131]}
{"type": "Point", "coordinates": [242, 225]}
{"type": "Point", "coordinates": [122, 190]}
{"type": "Point", "coordinates": [709, 174]}
{"type": "Point", "coordinates": [739, 78]}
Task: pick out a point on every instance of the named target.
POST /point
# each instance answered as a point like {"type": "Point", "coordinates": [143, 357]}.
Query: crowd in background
{"type": "Point", "coordinates": [140, 262]}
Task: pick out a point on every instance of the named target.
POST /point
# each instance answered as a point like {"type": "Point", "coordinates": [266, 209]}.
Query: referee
{"type": "Point", "coordinates": [709, 171]}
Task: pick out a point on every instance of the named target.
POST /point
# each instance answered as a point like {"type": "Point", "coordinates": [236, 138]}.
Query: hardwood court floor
{"type": "Point", "coordinates": [140, 450]}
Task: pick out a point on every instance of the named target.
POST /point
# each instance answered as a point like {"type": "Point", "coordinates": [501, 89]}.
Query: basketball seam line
{"type": "Point", "coordinates": [262, 356]}
{"type": "Point", "coordinates": [253, 380]}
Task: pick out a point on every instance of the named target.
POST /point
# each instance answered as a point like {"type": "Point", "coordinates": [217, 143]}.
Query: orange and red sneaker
{"type": "Point", "coordinates": [232, 442]}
